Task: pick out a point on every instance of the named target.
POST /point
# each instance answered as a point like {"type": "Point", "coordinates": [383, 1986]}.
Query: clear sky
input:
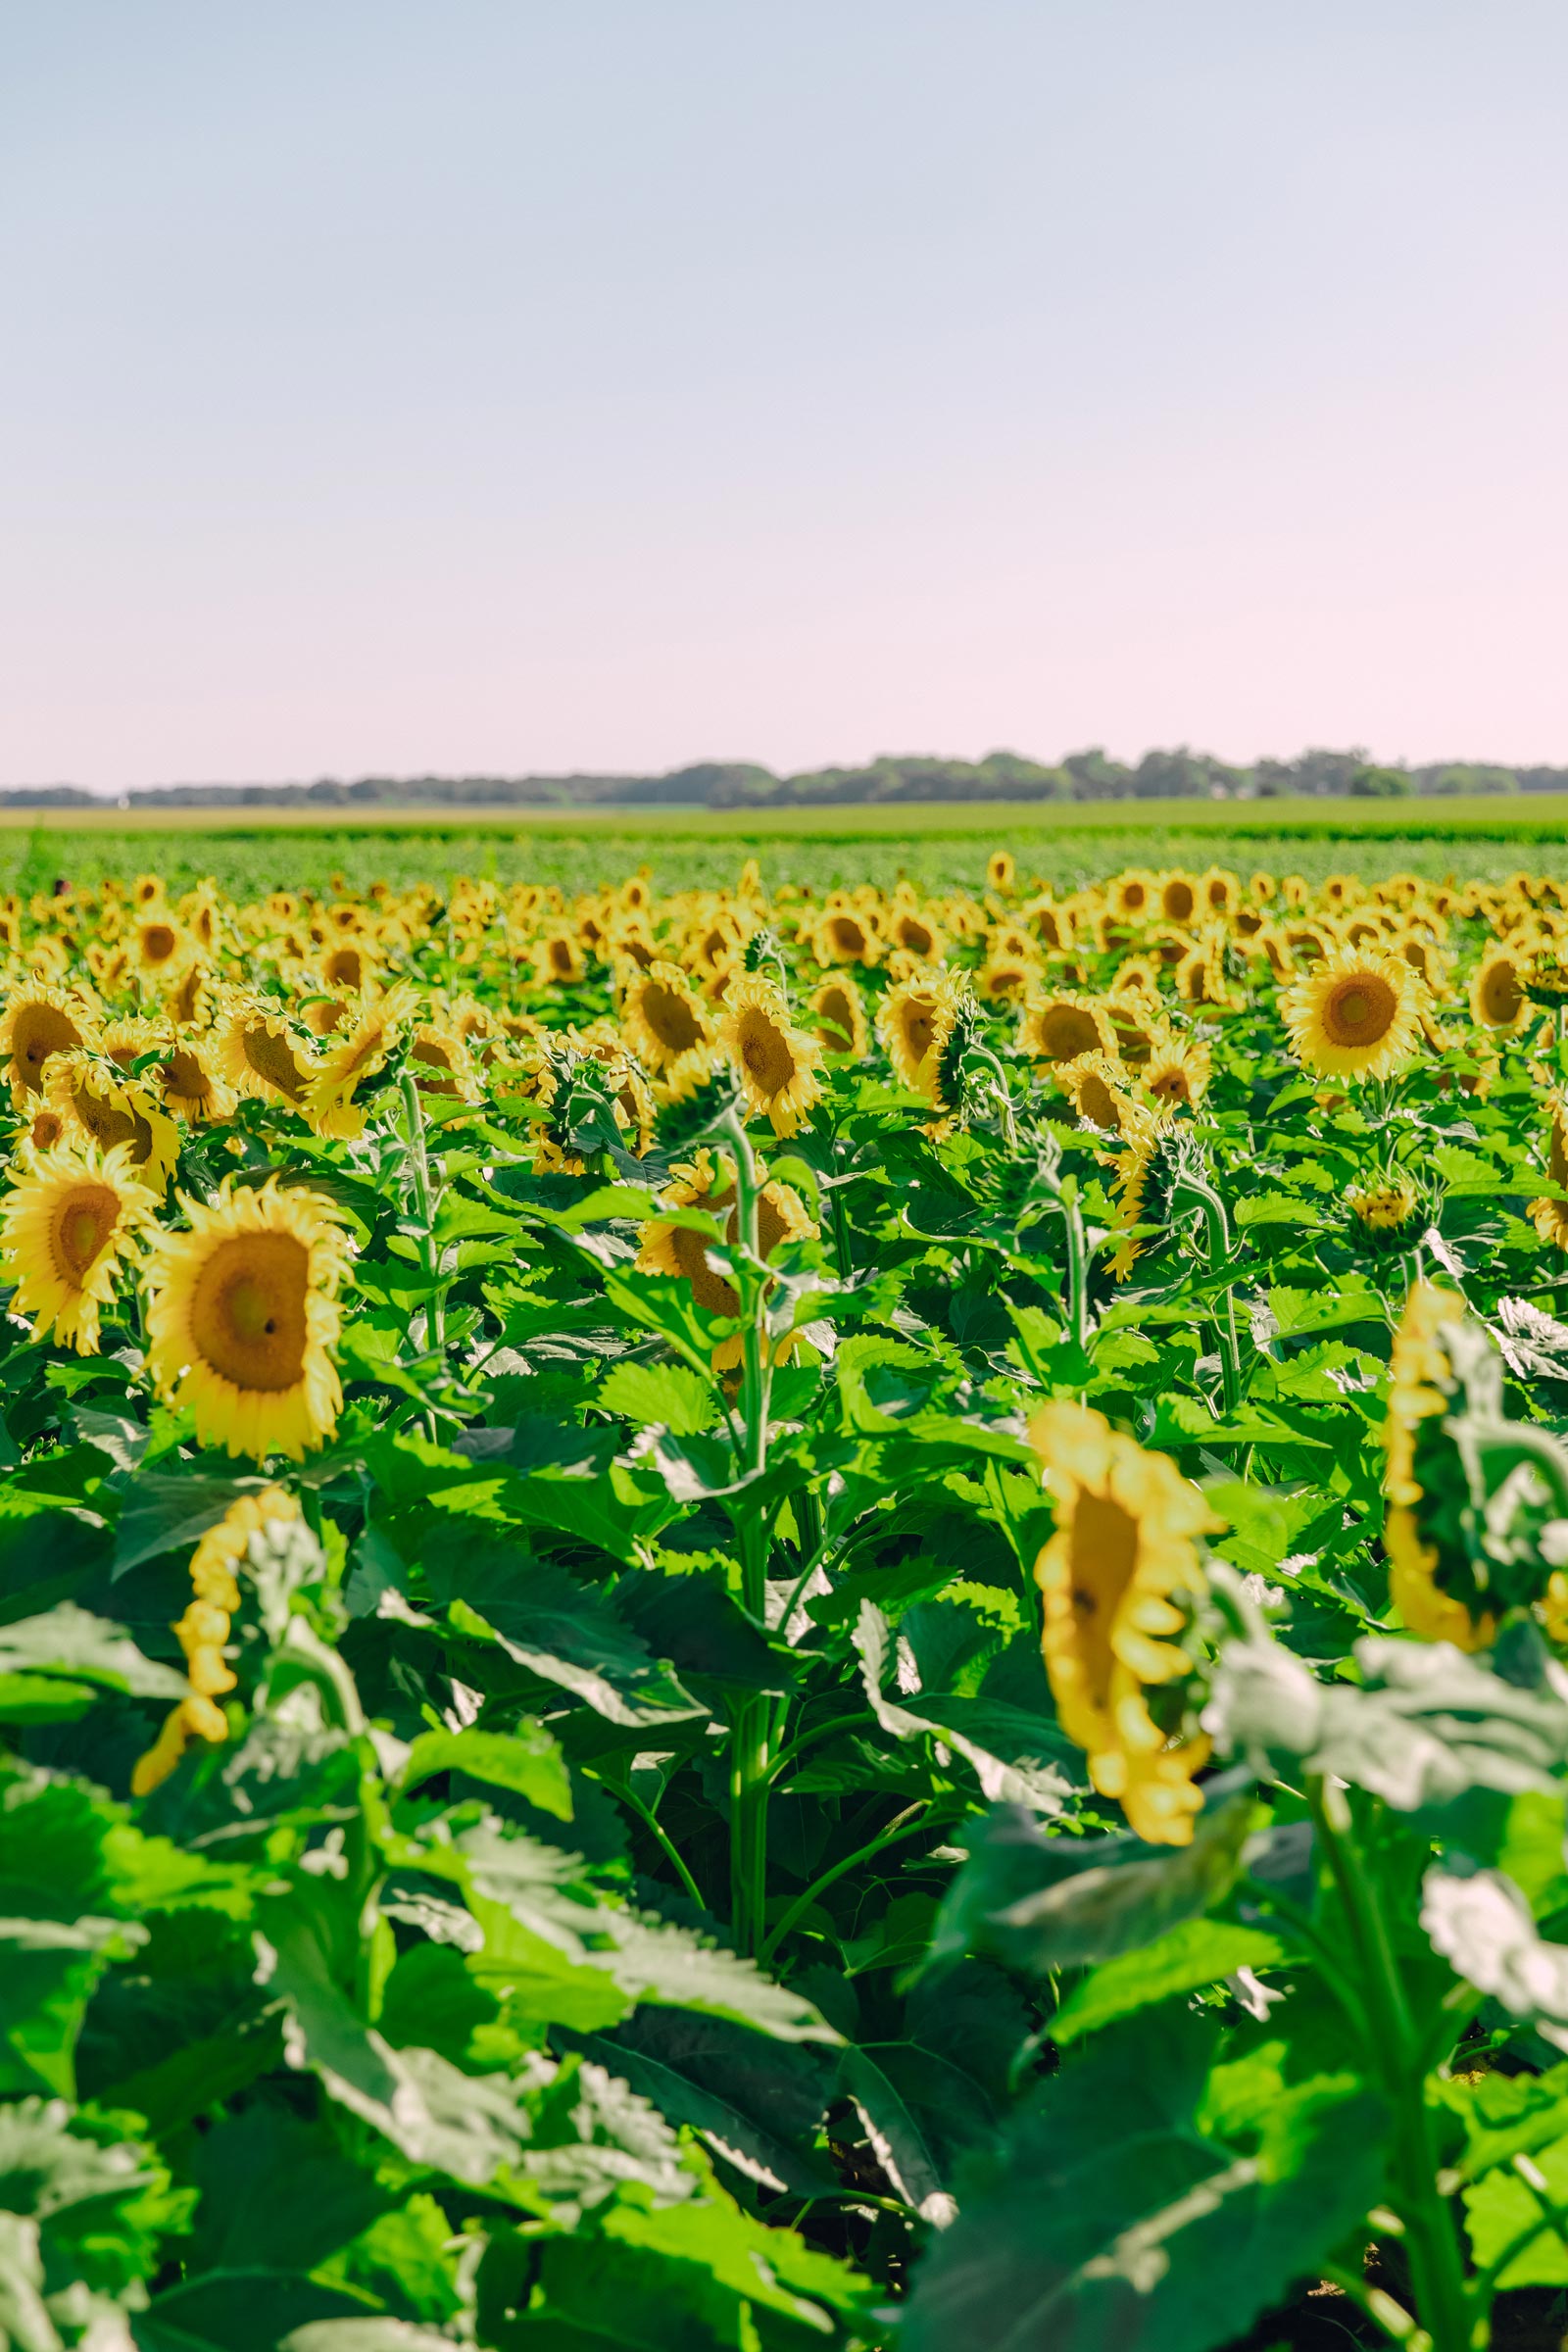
{"type": "Point", "coordinates": [453, 386]}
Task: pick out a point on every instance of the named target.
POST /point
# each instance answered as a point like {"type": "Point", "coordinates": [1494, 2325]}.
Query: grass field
{"type": "Point", "coordinates": [938, 845]}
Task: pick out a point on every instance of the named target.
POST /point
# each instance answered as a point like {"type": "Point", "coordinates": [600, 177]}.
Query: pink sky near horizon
{"type": "Point", "coordinates": [509, 387]}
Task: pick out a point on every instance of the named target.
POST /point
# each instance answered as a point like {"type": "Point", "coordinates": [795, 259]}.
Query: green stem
{"type": "Point", "coordinates": [903, 1825]}
{"type": "Point", "coordinates": [418, 1162]}
{"type": "Point", "coordinates": [752, 1733]}
{"type": "Point", "coordinates": [1436, 2265]}
{"type": "Point", "coordinates": [644, 1813]}
{"type": "Point", "coordinates": [1077, 1265]}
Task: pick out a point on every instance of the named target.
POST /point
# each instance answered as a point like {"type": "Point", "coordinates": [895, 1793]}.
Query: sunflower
{"type": "Point", "coordinates": [1387, 1211]}
{"type": "Point", "coordinates": [1093, 1084]}
{"type": "Point", "coordinates": [839, 1011]}
{"type": "Point", "coordinates": [1001, 872]}
{"type": "Point", "coordinates": [1120, 1577]}
{"type": "Point", "coordinates": [203, 1631]}
{"type": "Point", "coordinates": [441, 1063]}
{"type": "Point", "coordinates": [917, 932]}
{"type": "Point", "coordinates": [1005, 976]}
{"type": "Point", "coordinates": [68, 1228]}
{"type": "Point", "coordinates": [359, 1053]}
{"type": "Point", "coordinates": [37, 1022]}
{"type": "Point", "coordinates": [843, 935]}
{"type": "Point", "coordinates": [1552, 1216]}
{"type": "Point", "coordinates": [1135, 1172]}
{"type": "Point", "coordinates": [1061, 1026]}
{"type": "Point", "coordinates": [1421, 1382]}
{"type": "Point", "coordinates": [346, 964]}
{"type": "Point", "coordinates": [194, 1087]}
{"type": "Point", "coordinates": [1355, 1015]}
{"type": "Point", "coordinates": [242, 1315]}
{"type": "Point", "coordinates": [261, 1054]}
{"type": "Point", "coordinates": [1134, 894]}
{"type": "Point", "coordinates": [1177, 1071]}
{"type": "Point", "coordinates": [781, 1216]}
{"type": "Point", "coordinates": [158, 946]}
{"type": "Point", "coordinates": [559, 958]}
{"type": "Point", "coordinates": [95, 1095]}
{"type": "Point", "coordinates": [665, 1021]}
{"type": "Point", "coordinates": [777, 1062]}
{"type": "Point", "coordinates": [914, 1022]}
{"type": "Point", "coordinates": [1497, 998]}
{"type": "Point", "coordinates": [1178, 897]}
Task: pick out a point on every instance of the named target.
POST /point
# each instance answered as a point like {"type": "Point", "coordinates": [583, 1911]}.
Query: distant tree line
{"type": "Point", "coordinates": [1090, 775]}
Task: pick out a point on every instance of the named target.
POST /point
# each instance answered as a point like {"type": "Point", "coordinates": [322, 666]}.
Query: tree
{"type": "Point", "coordinates": [1382, 783]}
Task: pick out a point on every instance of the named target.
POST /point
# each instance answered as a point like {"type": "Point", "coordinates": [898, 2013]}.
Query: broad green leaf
{"type": "Point", "coordinates": [670, 1395]}
{"type": "Point", "coordinates": [526, 1760]}
{"type": "Point", "coordinates": [1189, 1955]}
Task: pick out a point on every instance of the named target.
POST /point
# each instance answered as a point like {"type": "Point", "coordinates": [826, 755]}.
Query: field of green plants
{"type": "Point", "coordinates": [781, 1612]}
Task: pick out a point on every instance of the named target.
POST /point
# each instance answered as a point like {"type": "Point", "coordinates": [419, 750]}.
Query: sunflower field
{"type": "Point", "coordinates": [756, 1621]}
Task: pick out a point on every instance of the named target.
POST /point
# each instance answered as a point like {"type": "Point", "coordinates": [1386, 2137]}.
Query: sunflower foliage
{"type": "Point", "coordinates": [752, 1621]}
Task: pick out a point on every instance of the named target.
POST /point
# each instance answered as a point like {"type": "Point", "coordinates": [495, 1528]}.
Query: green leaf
{"type": "Point", "coordinates": [72, 1643]}
{"type": "Point", "coordinates": [1038, 1903]}
{"type": "Point", "coordinates": [1143, 2202]}
{"type": "Point", "coordinates": [667, 1394]}
{"type": "Point", "coordinates": [239, 2310]}
{"type": "Point", "coordinates": [526, 1760]}
{"type": "Point", "coordinates": [564, 1633]}
{"type": "Point", "coordinates": [1194, 1953]}
{"type": "Point", "coordinates": [163, 1511]}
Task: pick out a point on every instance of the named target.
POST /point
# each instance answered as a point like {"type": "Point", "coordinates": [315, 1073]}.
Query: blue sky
{"type": "Point", "coordinates": [498, 386]}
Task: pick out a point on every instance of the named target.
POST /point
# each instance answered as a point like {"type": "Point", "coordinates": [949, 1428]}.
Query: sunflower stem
{"type": "Point", "coordinates": [752, 1738]}
{"type": "Point", "coordinates": [418, 1166]}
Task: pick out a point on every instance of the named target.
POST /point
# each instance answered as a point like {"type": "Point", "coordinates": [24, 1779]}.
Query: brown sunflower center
{"type": "Point", "coordinates": [272, 1060]}
{"type": "Point", "coordinates": [39, 1030]}
{"type": "Point", "coordinates": [1066, 1031]}
{"type": "Point", "coordinates": [157, 942]}
{"type": "Point", "coordinates": [106, 1124]}
{"type": "Point", "coordinates": [765, 1051]}
{"type": "Point", "coordinates": [1359, 1010]}
{"type": "Point", "coordinates": [247, 1313]}
{"type": "Point", "coordinates": [345, 968]}
{"type": "Point", "coordinates": [1178, 901]}
{"type": "Point", "coordinates": [834, 1017]}
{"type": "Point", "coordinates": [185, 1076]}
{"type": "Point", "coordinates": [847, 935]}
{"type": "Point", "coordinates": [84, 1221]}
{"type": "Point", "coordinates": [1500, 993]}
{"type": "Point", "coordinates": [1170, 1085]}
{"type": "Point", "coordinates": [916, 936]}
{"type": "Point", "coordinates": [670, 1018]}
{"type": "Point", "coordinates": [1096, 1101]}
{"type": "Point", "coordinates": [917, 1021]}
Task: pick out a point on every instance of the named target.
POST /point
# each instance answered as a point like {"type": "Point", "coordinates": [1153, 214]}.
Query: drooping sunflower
{"type": "Point", "coordinates": [914, 1022]}
{"type": "Point", "coordinates": [1421, 1383]}
{"type": "Point", "coordinates": [1550, 1216]}
{"type": "Point", "coordinates": [1355, 1015]}
{"type": "Point", "coordinates": [261, 1054]}
{"type": "Point", "coordinates": [665, 1021]}
{"type": "Point", "coordinates": [1136, 1165]}
{"type": "Point", "coordinates": [1498, 998]}
{"type": "Point", "coordinates": [1061, 1026]}
{"type": "Point", "coordinates": [39, 1022]}
{"type": "Point", "coordinates": [358, 1051]}
{"type": "Point", "coordinates": [441, 1063]}
{"type": "Point", "coordinates": [189, 1002]}
{"type": "Point", "coordinates": [98, 1100]}
{"type": "Point", "coordinates": [243, 1317]}
{"type": "Point", "coordinates": [839, 1011]}
{"type": "Point", "coordinates": [777, 1062]}
{"type": "Point", "coordinates": [203, 1631]}
{"type": "Point", "coordinates": [67, 1230]}
{"type": "Point", "coordinates": [781, 1216]}
{"type": "Point", "coordinates": [1119, 1578]}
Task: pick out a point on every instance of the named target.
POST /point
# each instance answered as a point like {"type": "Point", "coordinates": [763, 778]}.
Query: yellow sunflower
{"type": "Point", "coordinates": [203, 1631]}
{"type": "Point", "coordinates": [159, 944]}
{"type": "Point", "coordinates": [441, 1063]}
{"type": "Point", "coordinates": [839, 1011]}
{"type": "Point", "coordinates": [1177, 1071]}
{"type": "Point", "coordinates": [68, 1228]}
{"type": "Point", "coordinates": [559, 958]}
{"type": "Point", "coordinates": [359, 1054]}
{"type": "Point", "coordinates": [665, 1021]}
{"type": "Point", "coordinates": [781, 1216]}
{"type": "Point", "coordinates": [242, 1315]}
{"type": "Point", "coordinates": [1119, 1578]}
{"type": "Point", "coordinates": [37, 1022]}
{"type": "Point", "coordinates": [1061, 1026]}
{"type": "Point", "coordinates": [1094, 1085]}
{"type": "Point", "coordinates": [777, 1062]}
{"type": "Point", "coordinates": [259, 1053]}
{"type": "Point", "coordinates": [189, 1002]}
{"type": "Point", "coordinates": [1355, 1015]}
{"type": "Point", "coordinates": [1497, 998]}
{"type": "Point", "coordinates": [917, 932]}
{"type": "Point", "coordinates": [1389, 1208]}
{"type": "Point", "coordinates": [194, 1087]}
{"type": "Point", "coordinates": [94, 1096]}
{"type": "Point", "coordinates": [914, 1022]}
{"type": "Point", "coordinates": [1134, 1163]}
{"type": "Point", "coordinates": [1552, 1216]}
{"type": "Point", "coordinates": [846, 935]}
{"type": "Point", "coordinates": [1421, 1382]}
{"type": "Point", "coordinates": [1000, 871]}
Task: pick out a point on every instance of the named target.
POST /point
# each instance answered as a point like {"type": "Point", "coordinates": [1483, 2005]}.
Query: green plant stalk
{"type": "Point", "coordinates": [418, 1162]}
{"type": "Point", "coordinates": [903, 1825]}
{"type": "Point", "coordinates": [1217, 1241]}
{"type": "Point", "coordinates": [1442, 2301]}
{"type": "Point", "coordinates": [1077, 1264]}
{"type": "Point", "coordinates": [752, 1738]}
